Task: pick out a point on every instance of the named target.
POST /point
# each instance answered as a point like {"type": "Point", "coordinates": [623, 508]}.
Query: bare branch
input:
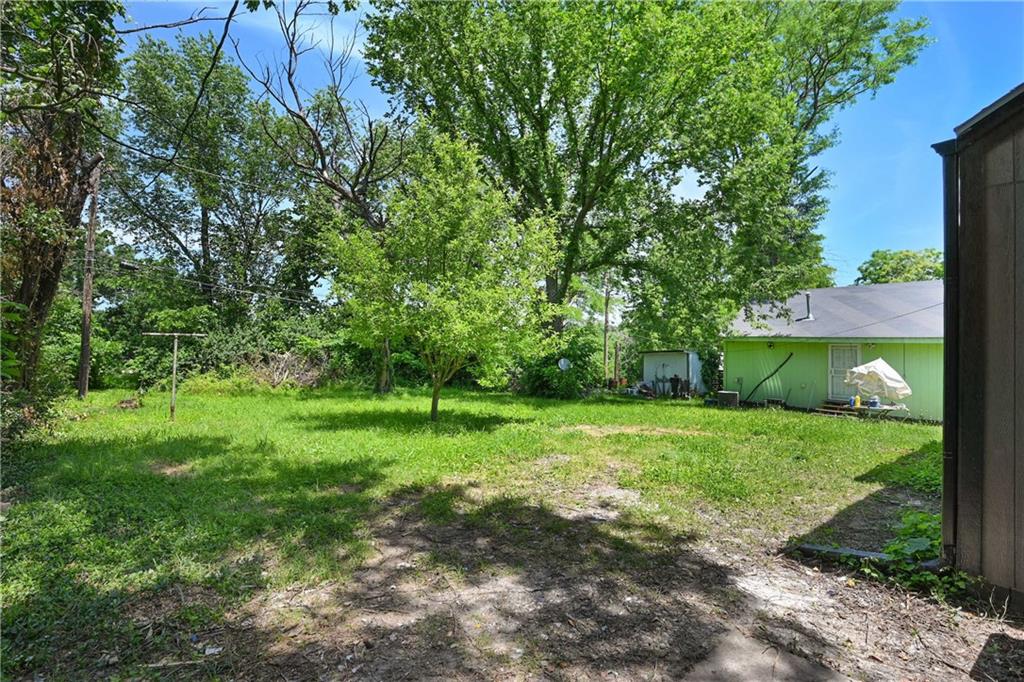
{"type": "Point", "coordinates": [195, 18]}
{"type": "Point", "coordinates": [343, 147]}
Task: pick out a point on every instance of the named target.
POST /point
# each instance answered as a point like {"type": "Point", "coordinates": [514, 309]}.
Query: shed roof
{"type": "Point", "coordinates": [992, 110]}
{"type": "Point", "coordinates": [886, 311]}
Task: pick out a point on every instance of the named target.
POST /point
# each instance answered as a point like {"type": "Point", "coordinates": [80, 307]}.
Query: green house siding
{"type": "Point", "coordinates": [803, 381]}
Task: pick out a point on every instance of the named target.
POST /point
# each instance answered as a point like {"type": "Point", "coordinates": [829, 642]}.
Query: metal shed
{"type": "Point", "coordinates": [660, 365]}
{"type": "Point", "coordinates": [983, 487]}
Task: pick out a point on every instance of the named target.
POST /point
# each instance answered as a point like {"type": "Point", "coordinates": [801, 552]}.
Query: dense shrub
{"type": "Point", "coordinates": [20, 409]}
{"type": "Point", "coordinates": [228, 381]}
{"type": "Point", "coordinates": [409, 369]}
{"type": "Point", "coordinates": [541, 375]}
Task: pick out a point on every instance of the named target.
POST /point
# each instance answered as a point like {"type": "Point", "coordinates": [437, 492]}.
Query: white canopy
{"type": "Point", "coordinates": [878, 378]}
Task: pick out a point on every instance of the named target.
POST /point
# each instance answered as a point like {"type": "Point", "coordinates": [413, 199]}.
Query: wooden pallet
{"type": "Point", "coordinates": [836, 409]}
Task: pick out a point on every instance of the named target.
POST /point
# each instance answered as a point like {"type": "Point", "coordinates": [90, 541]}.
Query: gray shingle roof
{"type": "Point", "coordinates": [900, 310]}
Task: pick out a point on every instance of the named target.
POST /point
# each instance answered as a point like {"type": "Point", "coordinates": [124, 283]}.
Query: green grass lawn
{"type": "Point", "coordinates": [244, 493]}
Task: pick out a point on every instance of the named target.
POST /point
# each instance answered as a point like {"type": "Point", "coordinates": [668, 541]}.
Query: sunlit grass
{"type": "Point", "coordinates": [248, 492]}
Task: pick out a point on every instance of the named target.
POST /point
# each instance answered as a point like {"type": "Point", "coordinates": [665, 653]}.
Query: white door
{"type": "Point", "coordinates": [841, 357]}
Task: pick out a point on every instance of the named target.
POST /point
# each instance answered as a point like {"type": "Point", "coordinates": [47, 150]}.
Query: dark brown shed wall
{"type": "Point", "coordinates": [989, 293]}
{"type": "Point", "coordinates": [1018, 443]}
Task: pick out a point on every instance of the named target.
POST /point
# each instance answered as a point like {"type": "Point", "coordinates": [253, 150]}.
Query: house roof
{"type": "Point", "coordinates": [887, 311]}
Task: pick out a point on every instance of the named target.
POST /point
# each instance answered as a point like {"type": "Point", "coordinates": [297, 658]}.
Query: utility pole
{"type": "Point", "coordinates": [85, 349]}
{"type": "Point", "coordinates": [174, 363]}
{"type": "Point", "coordinates": [607, 301]}
{"type": "Point", "coordinates": [618, 367]}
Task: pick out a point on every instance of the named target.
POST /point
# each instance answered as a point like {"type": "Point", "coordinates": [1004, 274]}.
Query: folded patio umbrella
{"type": "Point", "coordinates": [878, 378]}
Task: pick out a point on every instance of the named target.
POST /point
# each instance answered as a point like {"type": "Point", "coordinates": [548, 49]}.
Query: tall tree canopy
{"type": "Point", "coordinates": [330, 140]}
{"type": "Point", "coordinates": [591, 113]}
{"type": "Point", "coordinates": [696, 274]}
{"type": "Point", "coordinates": [901, 266]}
{"type": "Point", "coordinates": [219, 210]}
{"type": "Point", "coordinates": [582, 110]}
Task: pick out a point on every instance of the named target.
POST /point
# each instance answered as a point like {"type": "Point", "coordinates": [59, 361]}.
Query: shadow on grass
{"type": "Point", "coordinates": [127, 554]}
{"type": "Point", "coordinates": [135, 552]}
{"type": "Point", "coordinates": [464, 588]}
{"type": "Point", "coordinates": [451, 421]}
{"type": "Point", "coordinates": [912, 483]}
{"type": "Point", "coordinates": [920, 470]}
{"type": "Point", "coordinates": [104, 528]}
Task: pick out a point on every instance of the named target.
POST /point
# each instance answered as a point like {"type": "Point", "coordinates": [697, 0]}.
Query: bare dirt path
{"type": "Point", "coordinates": [466, 586]}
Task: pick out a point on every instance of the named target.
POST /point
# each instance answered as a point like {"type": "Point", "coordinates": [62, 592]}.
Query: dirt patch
{"type": "Point", "coordinates": [500, 589]}
{"type": "Point", "coordinates": [510, 590]}
{"type": "Point", "coordinates": [550, 461]}
{"type": "Point", "coordinates": [599, 502]}
{"type": "Point", "coordinates": [864, 629]}
{"type": "Point", "coordinates": [172, 470]}
{"type": "Point", "coordinates": [602, 431]}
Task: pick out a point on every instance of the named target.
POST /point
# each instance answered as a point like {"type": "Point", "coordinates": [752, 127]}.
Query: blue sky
{"type": "Point", "coordinates": [886, 185]}
{"type": "Point", "coordinates": [886, 179]}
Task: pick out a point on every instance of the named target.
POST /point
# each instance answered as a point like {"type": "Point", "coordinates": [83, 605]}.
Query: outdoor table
{"type": "Point", "coordinates": [882, 411]}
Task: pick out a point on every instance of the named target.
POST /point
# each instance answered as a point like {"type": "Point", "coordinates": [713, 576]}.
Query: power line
{"type": "Point", "coordinates": [199, 94]}
{"type": "Point", "coordinates": [223, 178]}
{"type": "Point", "coordinates": [171, 161]}
{"type": "Point", "coordinates": [225, 287]}
{"type": "Point", "coordinates": [174, 272]}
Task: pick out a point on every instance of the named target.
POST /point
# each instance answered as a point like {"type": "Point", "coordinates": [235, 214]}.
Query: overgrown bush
{"type": "Point", "coordinates": [229, 381]}
{"type": "Point", "coordinates": [581, 346]}
{"type": "Point", "coordinates": [409, 369]}
{"type": "Point", "coordinates": [20, 409]}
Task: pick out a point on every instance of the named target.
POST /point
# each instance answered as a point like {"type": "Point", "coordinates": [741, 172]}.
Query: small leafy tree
{"type": "Point", "coordinates": [455, 276]}
{"type": "Point", "coordinates": [901, 266]}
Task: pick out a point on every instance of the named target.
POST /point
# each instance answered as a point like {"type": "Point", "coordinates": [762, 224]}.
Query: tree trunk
{"type": "Point", "coordinates": [557, 323]}
{"type": "Point", "coordinates": [85, 348]}
{"type": "Point", "coordinates": [385, 378]}
{"type": "Point", "coordinates": [48, 176]}
{"type": "Point", "coordinates": [618, 367]}
{"type": "Point", "coordinates": [36, 293]}
{"type": "Point", "coordinates": [435, 399]}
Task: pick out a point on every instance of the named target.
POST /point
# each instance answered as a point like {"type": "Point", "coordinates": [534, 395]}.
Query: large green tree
{"type": "Point", "coordinates": [905, 265]}
{"type": "Point", "coordinates": [455, 275]}
{"type": "Point", "coordinates": [219, 210]}
{"type": "Point", "coordinates": [350, 157]}
{"type": "Point", "coordinates": [59, 58]}
{"type": "Point", "coordinates": [584, 111]}
{"type": "Point", "coordinates": [707, 259]}
{"type": "Point", "coordinates": [832, 53]}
